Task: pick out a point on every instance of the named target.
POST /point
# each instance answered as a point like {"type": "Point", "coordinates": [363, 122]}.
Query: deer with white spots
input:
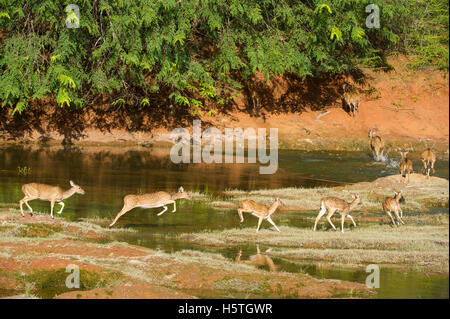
{"type": "Point", "coordinates": [53, 194]}
{"type": "Point", "coordinates": [333, 205]}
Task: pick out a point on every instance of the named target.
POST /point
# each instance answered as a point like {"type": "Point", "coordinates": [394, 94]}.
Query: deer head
{"type": "Point", "coordinates": [356, 199]}
{"type": "Point", "coordinates": [77, 188]}
{"type": "Point", "coordinates": [183, 194]}
{"type": "Point", "coordinates": [404, 152]}
{"type": "Point", "coordinates": [276, 199]}
{"type": "Point", "coordinates": [399, 196]}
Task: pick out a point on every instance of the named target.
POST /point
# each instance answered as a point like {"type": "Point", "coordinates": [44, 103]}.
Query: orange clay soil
{"type": "Point", "coordinates": [405, 105]}
{"type": "Point", "coordinates": [143, 273]}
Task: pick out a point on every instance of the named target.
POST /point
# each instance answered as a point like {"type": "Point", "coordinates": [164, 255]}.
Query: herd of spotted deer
{"type": "Point", "coordinates": [391, 206]}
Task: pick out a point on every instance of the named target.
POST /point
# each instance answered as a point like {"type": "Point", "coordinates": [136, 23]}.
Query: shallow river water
{"type": "Point", "coordinates": [109, 173]}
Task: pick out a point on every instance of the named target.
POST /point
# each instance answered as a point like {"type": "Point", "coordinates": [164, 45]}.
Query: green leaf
{"type": "Point", "coordinates": [63, 97]}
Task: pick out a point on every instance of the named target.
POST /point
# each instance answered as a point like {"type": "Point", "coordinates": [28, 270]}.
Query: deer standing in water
{"type": "Point", "coordinates": [53, 194]}
{"type": "Point", "coordinates": [406, 165]}
{"type": "Point", "coordinates": [152, 200]}
{"type": "Point", "coordinates": [333, 205]}
{"type": "Point", "coordinates": [376, 144]}
{"type": "Point", "coordinates": [428, 159]}
{"type": "Point", "coordinates": [350, 100]}
{"type": "Point", "coordinates": [392, 205]}
{"type": "Point", "coordinates": [258, 260]}
{"type": "Point", "coordinates": [260, 211]}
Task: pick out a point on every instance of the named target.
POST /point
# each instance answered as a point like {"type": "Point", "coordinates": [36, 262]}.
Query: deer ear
{"type": "Point", "coordinates": [181, 189]}
{"type": "Point", "coordinates": [353, 196]}
{"type": "Point", "coordinates": [72, 183]}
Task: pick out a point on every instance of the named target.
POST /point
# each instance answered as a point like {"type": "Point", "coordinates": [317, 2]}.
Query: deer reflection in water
{"type": "Point", "coordinates": [258, 260]}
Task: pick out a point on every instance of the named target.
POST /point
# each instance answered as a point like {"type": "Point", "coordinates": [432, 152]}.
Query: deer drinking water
{"type": "Point", "coordinates": [392, 205]}
{"type": "Point", "coordinates": [334, 204]}
{"type": "Point", "coordinates": [152, 200]}
{"type": "Point", "coordinates": [376, 144]}
{"type": "Point", "coordinates": [49, 193]}
{"type": "Point", "coordinates": [428, 159]}
{"type": "Point", "coordinates": [260, 211]}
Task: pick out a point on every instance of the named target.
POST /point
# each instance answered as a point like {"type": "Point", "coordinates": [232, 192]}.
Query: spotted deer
{"type": "Point", "coordinates": [376, 144]}
{"type": "Point", "coordinates": [350, 100]}
{"type": "Point", "coordinates": [428, 159]}
{"type": "Point", "coordinates": [391, 206]}
{"type": "Point", "coordinates": [53, 194]}
{"type": "Point", "coordinates": [151, 200]}
{"type": "Point", "coordinates": [406, 165]}
{"type": "Point", "coordinates": [260, 211]}
{"type": "Point", "coordinates": [333, 205]}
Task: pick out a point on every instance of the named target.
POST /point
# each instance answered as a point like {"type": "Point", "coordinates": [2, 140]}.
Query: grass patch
{"type": "Point", "coordinates": [37, 230]}
{"type": "Point", "coordinates": [47, 284]}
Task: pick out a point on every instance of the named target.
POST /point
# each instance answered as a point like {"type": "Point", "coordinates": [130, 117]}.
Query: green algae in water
{"type": "Point", "coordinates": [47, 284]}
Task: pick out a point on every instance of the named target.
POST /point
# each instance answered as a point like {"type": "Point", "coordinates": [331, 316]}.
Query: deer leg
{"type": "Point", "coordinates": [342, 222]}
{"type": "Point", "coordinates": [240, 214]}
{"type": "Point", "coordinates": [124, 210]}
{"type": "Point", "coordinates": [352, 220]}
{"type": "Point", "coordinates": [174, 207]}
{"type": "Point", "coordinates": [62, 207]}
{"type": "Point", "coordinates": [271, 221]}
{"type": "Point", "coordinates": [31, 209]}
{"type": "Point", "coordinates": [259, 223]}
{"type": "Point", "coordinates": [400, 217]}
{"type": "Point", "coordinates": [390, 216]}
{"type": "Point", "coordinates": [162, 212]}
{"type": "Point", "coordinates": [52, 204]}
{"type": "Point", "coordinates": [238, 257]}
{"type": "Point", "coordinates": [322, 211]}
{"type": "Point", "coordinates": [24, 200]}
{"type": "Point", "coordinates": [329, 218]}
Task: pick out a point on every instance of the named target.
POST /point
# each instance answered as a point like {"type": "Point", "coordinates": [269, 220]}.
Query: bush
{"type": "Point", "coordinates": [201, 50]}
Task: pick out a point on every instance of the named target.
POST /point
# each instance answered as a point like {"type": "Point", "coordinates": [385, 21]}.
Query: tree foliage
{"type": "Point", "coordinates": [199, 50]}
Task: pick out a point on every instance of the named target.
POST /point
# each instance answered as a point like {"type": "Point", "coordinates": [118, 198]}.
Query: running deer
{"type": "Point", "coordinates": [350, 100]}
{"type": "Point", "coordinates": [260, 211]}
{"type": "Point", "coordinates": [406, 165]}
{"type": "Point", "coordinates": [376, 144]}
{"type": "Point", "coordinates": [49, 193]}
{"type": "Point", "coordinates": [152, 200]}
{"type": "Point", "coordinates": [258, 260]}
{"type": "Point", "coordinates": [334, 204]}
{"type": "Point", "coordinates": [392, 205]}
{"type": "Point", "coordinates": [428, 159]}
